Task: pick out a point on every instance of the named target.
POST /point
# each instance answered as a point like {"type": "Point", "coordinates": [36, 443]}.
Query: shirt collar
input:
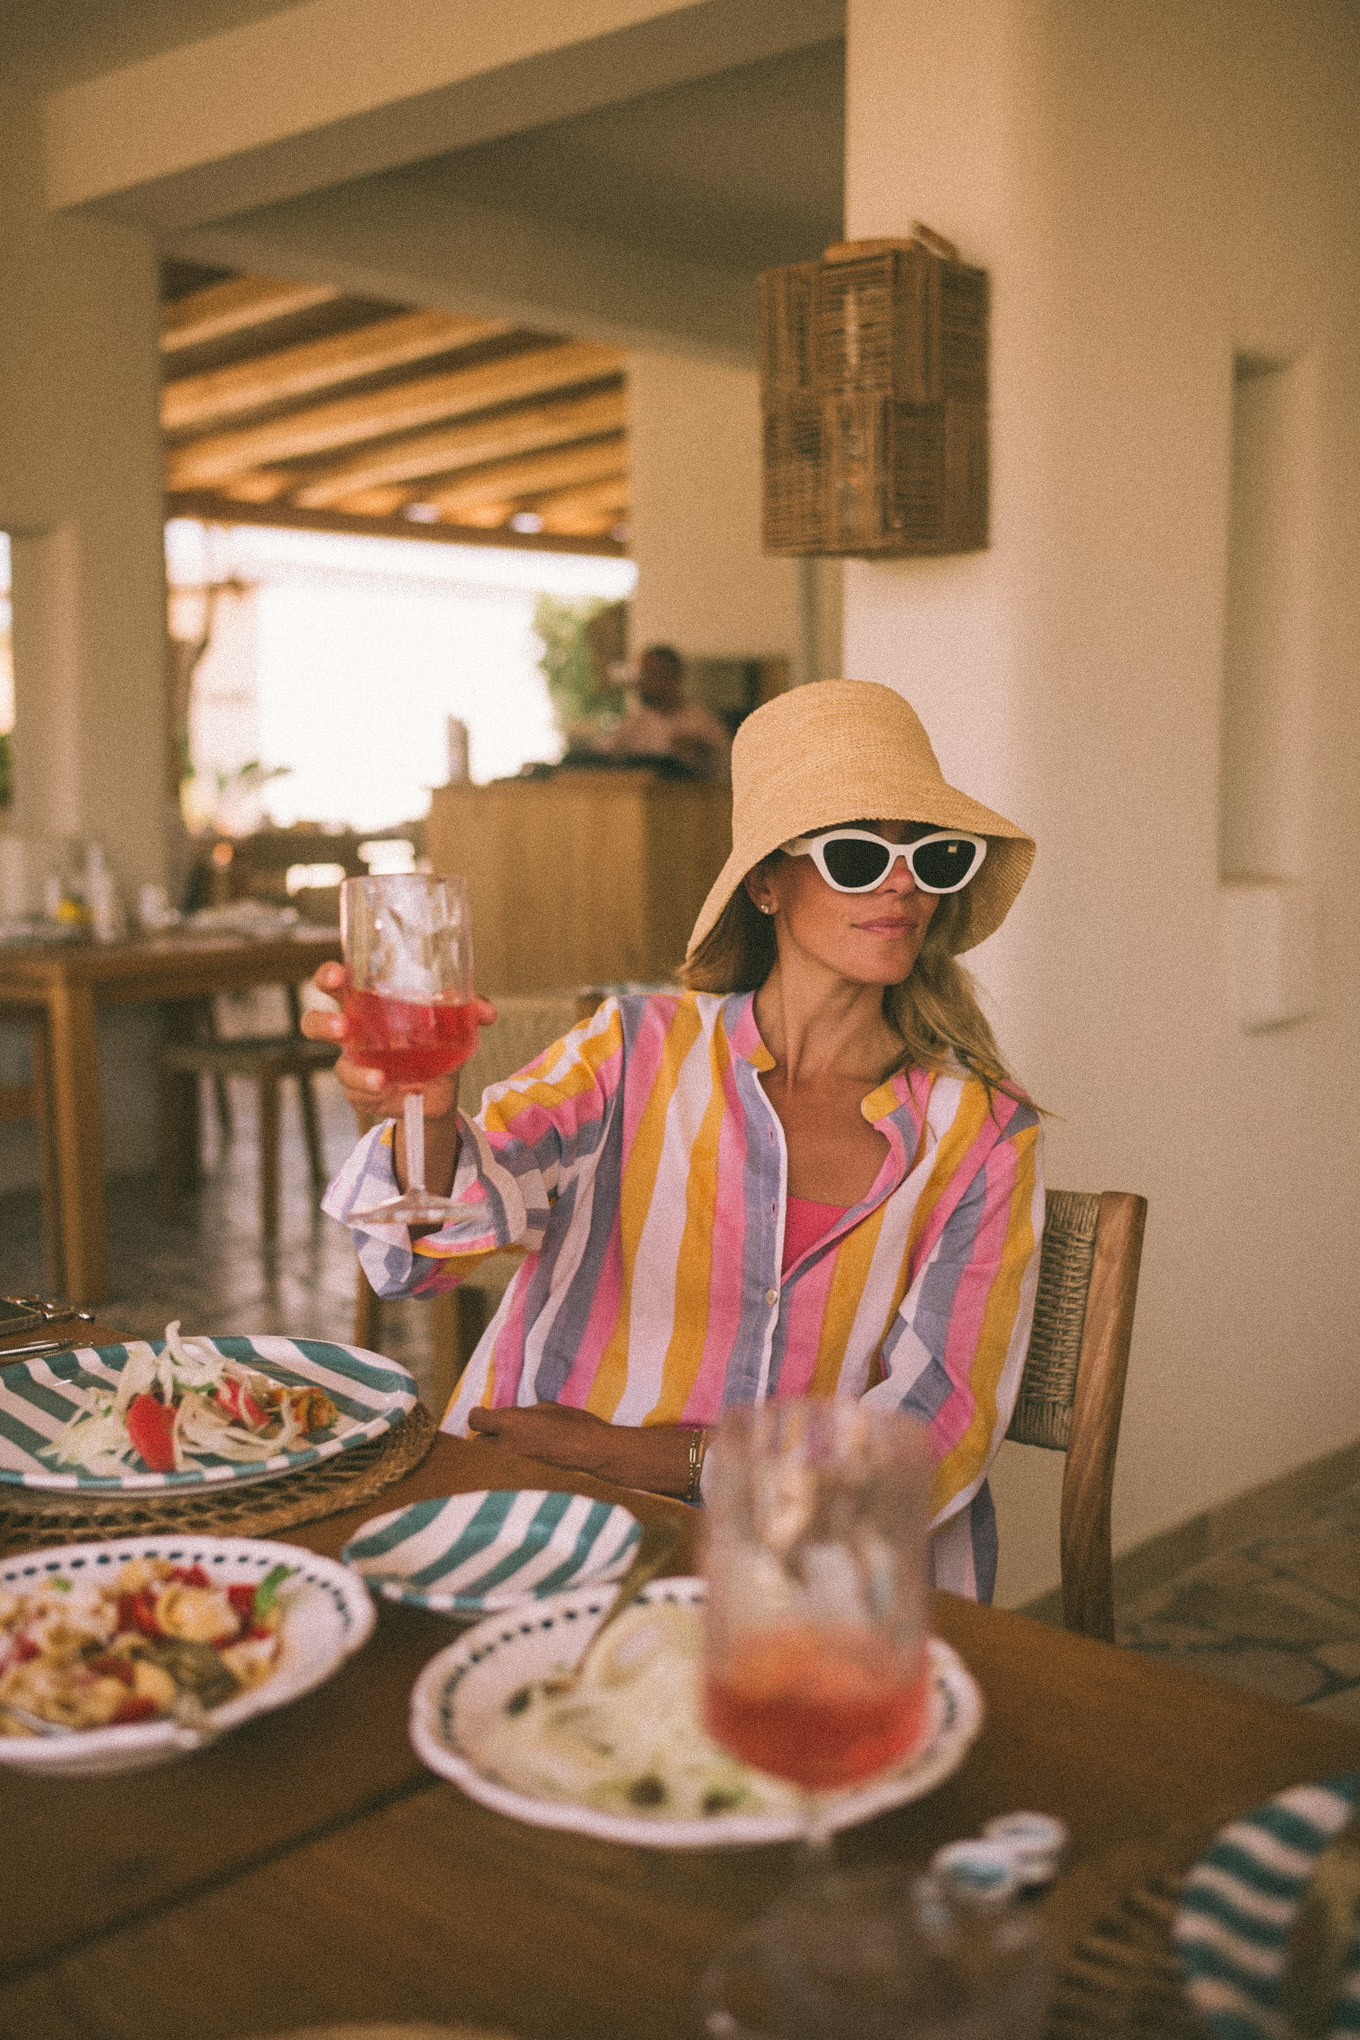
{"type": "Point", "coordinates": [739, 1020]}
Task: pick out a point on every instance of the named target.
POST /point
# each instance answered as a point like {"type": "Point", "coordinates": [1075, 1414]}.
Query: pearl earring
{"type": "Point", "coordinates": [767, 906]}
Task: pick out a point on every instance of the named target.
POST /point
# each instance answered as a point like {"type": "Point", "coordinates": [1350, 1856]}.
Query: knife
{"type": "Point", "coordinates": [1320, 1938]}
{"type": "Point", "coordinates": [38, 1346]}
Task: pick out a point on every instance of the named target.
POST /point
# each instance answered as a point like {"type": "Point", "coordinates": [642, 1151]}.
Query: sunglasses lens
{"type": "Point", "coordinates": [854, 863]}
{"type": "Point", "coordinates": [945, 864]}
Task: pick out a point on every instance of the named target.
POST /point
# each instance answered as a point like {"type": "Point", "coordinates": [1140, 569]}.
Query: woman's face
{"type": "Point", "coordinates": [871, 938]}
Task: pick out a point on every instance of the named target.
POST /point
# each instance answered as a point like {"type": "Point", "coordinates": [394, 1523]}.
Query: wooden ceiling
{"type": "Point", "coordinates": [290, 403]}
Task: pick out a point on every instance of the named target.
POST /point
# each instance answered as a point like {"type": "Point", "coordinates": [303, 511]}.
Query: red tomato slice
{"type": "Point", "coordinates": [150, 1426]}
{"type": "Point", "coordinates": [237, 1400]}
{"type": "Point", "coordinates": [137, 1707]}
{"type": "Point", "coordinates": [141, 1613]}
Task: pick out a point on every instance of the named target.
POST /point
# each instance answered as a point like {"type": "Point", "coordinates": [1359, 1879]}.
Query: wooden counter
{"type": "Point", "coordinates": [586, 878]}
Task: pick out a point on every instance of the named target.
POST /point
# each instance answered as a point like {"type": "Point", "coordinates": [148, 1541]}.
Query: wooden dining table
{"type": "Point", "coordinates": [66, 984]}
{"type": "Point", "coordinates": [307, 1870]}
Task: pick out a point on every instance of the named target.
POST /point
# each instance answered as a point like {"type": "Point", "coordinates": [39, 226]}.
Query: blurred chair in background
{"type": "Point", "coordinates": [31, 1101]}
{"type": "Point", "coordinates": [265, 1060]}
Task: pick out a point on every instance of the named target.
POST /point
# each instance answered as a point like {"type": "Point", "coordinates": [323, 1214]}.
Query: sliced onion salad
{"type": "Point", "coordinates": [185, 1376]}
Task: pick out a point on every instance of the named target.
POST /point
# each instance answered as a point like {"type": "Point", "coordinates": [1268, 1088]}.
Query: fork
{"type": "Point", "coordinates": [194, 1726]}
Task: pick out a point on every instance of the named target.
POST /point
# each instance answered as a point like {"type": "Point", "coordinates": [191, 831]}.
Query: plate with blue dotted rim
{"type": "Point", "coordinates": [463, 1691]}
{"type": "Point", "coordinates": [493, 1548]}
{"type": "Point", "coordinates": [1238, 1904]}
{"type": "Point", "coordinates": [38, 1398]}
{"type": "Point", "coordinates": [327, 1615]}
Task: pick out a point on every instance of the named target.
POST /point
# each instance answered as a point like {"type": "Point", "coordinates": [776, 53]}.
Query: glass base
{"type": "Point", "coordinates": [415, 1207]}
{"type": "Point", "coordinates": [876, 1954]}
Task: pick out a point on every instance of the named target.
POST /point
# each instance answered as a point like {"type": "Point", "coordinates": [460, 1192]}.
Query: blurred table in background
{"type": "Point", "coordinates": [582, 878]}
{"type": "Point", "coordinates": [65, 985]}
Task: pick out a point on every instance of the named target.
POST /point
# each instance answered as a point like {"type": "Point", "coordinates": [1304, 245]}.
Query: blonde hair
{"type": "Point", "coordinates": [934, 1011]}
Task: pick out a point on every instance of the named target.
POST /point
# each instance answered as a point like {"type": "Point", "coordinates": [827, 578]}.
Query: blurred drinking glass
{"type": "Point", "coordinates": [815, 1634]}
{"type": "Point", "coordinates": [409, 1004]}
{"type": "Point", "coordinates": [816, 1669]}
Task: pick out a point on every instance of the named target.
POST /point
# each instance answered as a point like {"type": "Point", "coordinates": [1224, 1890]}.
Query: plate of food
{"type": "Point", "coordinates": [623, 1755]}
{"type": "Point", "coordinates": [1238, 1904]}
{"type": "Point", "coordinates": [183, 1412]}
{"type": "Point", "coordinates": [474, 1553]}
{"type": "Point", "coordinates": [117, 1656]}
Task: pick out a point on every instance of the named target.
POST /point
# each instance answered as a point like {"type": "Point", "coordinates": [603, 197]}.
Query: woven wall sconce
{"type": "Point", "coordinates": [873, 383]}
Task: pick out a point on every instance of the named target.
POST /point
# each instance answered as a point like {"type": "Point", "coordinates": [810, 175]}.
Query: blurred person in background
{"type": "Point", "coordinates": [662, 724]}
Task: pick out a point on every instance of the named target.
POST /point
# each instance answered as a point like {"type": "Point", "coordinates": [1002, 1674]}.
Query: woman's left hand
{"type": "Point", "coordinates": [654, 1456]}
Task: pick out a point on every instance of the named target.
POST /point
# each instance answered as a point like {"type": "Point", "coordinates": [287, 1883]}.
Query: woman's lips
{"type": "Point", "coordinates": [896, 924]}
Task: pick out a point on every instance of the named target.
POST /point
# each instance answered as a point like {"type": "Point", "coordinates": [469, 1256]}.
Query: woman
{"type": "Point", "coordinates": [808, 1173]}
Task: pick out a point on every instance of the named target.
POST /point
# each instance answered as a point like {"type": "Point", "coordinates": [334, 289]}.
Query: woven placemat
{"type": "Point", "coordinates": [1123, 1979]}
{"type": "Point", "coordinates": [30, 1518]}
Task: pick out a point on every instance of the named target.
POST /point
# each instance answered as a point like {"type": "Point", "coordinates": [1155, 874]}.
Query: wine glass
{"type": "Point", "coordinates": [816, 1669]}
{"type": "Point", "coordinates": [815, 1650]}
{"type": "Point", "coordinates": [409, 1006]}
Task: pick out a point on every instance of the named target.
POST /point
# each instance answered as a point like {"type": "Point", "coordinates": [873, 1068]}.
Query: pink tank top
{"type": "Point", "coordinates": [804, 1224]}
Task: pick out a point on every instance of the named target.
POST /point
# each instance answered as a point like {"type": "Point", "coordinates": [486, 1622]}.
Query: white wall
{"type": "Point", "coordinates": [1153, 189]}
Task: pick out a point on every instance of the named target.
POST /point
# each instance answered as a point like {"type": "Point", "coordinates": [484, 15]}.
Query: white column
{"type": "Point", "coordinates": [81, 495]}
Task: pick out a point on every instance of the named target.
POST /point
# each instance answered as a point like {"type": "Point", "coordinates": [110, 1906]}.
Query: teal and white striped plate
{"type": "Point", "coordinates": [470, 1554]}
{"type": "Point", "coordinates": [37, 1398]}
{"type": "Point", "coordinates": [1238, 1905]}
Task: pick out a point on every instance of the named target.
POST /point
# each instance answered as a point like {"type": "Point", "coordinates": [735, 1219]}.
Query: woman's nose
{"type": "Point", "coordinates": [900, 878]}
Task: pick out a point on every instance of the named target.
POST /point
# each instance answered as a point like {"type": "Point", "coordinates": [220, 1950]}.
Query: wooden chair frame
{"type": "Point", "coordinates": [1072, 1389]}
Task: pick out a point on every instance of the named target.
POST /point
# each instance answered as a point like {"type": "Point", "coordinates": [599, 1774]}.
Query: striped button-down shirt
{"type": "Point", "coordinates": [642, 1170]}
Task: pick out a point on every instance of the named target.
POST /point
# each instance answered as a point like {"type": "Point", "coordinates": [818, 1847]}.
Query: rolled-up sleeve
{"type": "Point", "coordinates": [513, 1160]}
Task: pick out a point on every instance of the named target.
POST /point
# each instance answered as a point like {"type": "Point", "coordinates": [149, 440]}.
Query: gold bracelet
{"type": "Point", "coordinates": [698, 1446]}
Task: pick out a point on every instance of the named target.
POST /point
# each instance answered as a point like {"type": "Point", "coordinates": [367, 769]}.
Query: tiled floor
{"type": "Point", "coordinates": [1278, 1614]}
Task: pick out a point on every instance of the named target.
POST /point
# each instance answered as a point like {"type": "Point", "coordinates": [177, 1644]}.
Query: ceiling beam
{"type": "Point", "coordinates": [378, 502]}
{"type": "Point", "coordinates": [565, 468]}
{"type": "Point", "coordinates": [348, 420]}
{"type": "Point", "coordinates": [593, 507]}
{"type": "Point", "coordinates": [210, 508]}
{"type": "Point", "coordinates": [565, 509]}
{"type": "Point", "coordinates": [235, 306]}
{"type": "Point", "coordinates": [552, 423]}
{"type": "Point", "coordinates": [292, 372]}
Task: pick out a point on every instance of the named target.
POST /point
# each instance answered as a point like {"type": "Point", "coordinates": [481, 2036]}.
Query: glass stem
{"type": "Point", "coordinates": [413, 1111]}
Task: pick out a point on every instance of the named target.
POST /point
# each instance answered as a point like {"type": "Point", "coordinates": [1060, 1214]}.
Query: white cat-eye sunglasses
{"type": "Point", "coordinates": [857, 861]}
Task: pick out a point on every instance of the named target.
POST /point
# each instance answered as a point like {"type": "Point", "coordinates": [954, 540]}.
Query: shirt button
{"type": "Point", "coordinates": [772, 1297]}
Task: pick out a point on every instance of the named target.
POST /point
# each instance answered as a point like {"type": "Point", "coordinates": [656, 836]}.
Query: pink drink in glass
{"type": "Point", "coordinates": [824, 1708]}
{"type": "Point", "coordinates": [410, 1042]}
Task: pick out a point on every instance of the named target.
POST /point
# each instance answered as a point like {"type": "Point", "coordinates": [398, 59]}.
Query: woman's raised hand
{"type": "Point", "coordinates": [368, 1091]}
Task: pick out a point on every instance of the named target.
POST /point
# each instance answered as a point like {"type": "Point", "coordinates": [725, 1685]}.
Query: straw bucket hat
{"type": "Point", "coordinates": [846, 751]}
